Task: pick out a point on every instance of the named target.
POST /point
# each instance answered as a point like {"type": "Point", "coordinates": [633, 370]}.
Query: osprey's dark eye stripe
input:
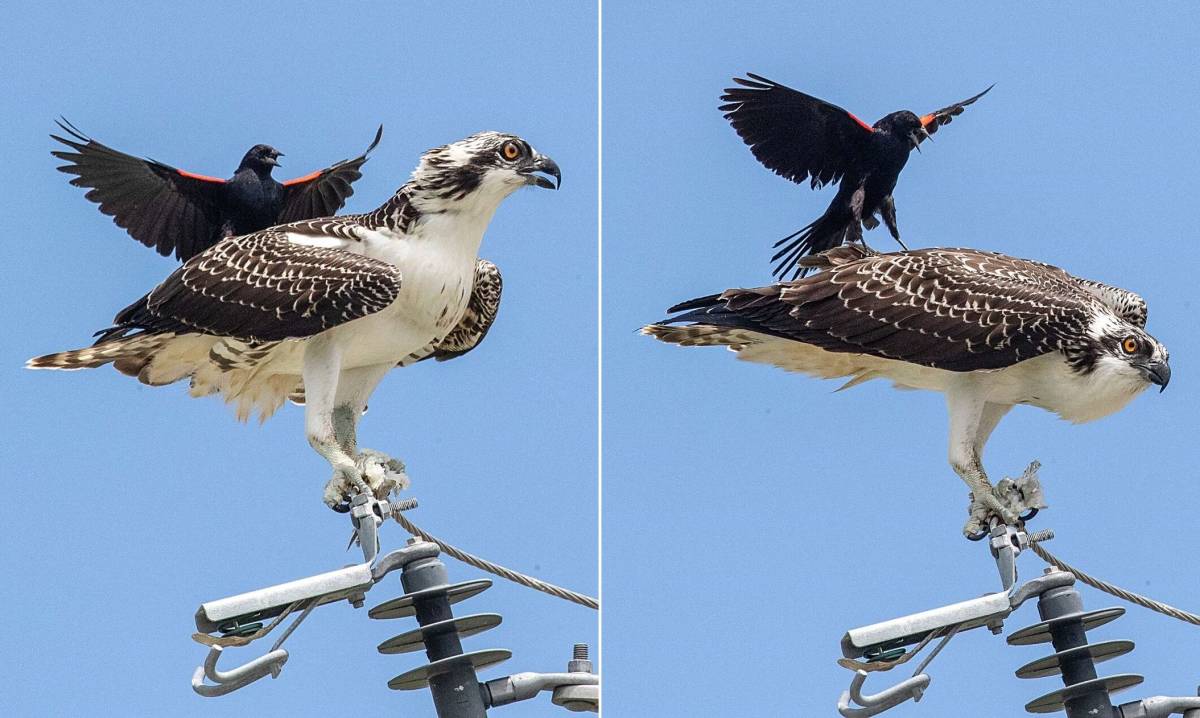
{"type": "Point", "coordinates": [1130, 345]}
{"type": "Point", "coordinates": [510, 150]}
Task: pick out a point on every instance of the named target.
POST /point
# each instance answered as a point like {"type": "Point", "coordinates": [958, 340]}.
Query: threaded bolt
{"type": "Point", "coordinates": [579, 662]}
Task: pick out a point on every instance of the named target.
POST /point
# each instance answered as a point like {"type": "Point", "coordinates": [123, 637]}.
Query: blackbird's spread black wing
{"type": "Point", "coordinates": [163, 207]}
{"type": "Point", "coordinates": [322, 193]}
{"type": "Point", "coordinates": [262, 287]}
{"type": "Point", "coordinates": [946, 115]}
{"type": "Point", "coordinates": [795, 135]}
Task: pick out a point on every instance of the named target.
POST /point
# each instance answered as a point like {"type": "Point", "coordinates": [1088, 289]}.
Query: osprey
{"type": "Point", "coordinates": [803, 138]}
{"type": "Point", "coordinates": [322, 309]}
{"type": "Point", "coordinates": [987, 330]}
{"type": "Point", "coordinates": [173, 210]}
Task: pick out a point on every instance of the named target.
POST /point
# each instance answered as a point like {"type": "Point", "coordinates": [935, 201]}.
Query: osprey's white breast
{"type": "Point", "coordinates": [437, 264]}
{"type": "Point", "coordinates": [1045, 381]}
{"type": "Point", "coordinates": [1048, 382]}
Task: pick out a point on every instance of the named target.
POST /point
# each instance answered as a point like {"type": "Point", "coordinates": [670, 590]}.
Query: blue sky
{"type": "Point", "coordinates": [153, 502]}
{"type": "Point", "coordinates": [752, 517]}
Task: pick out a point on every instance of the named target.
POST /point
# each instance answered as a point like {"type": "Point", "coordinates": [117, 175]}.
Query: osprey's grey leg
{"type": "Point", "coordinates": [382, 473]}
{"type": "Point", "coordinates": [972, 420]}
{"type": "Point", "coordinates": [982, 509]}
{"type": "Point", "coordinates": [988, 420]}
{"type": "Point", "coordinates": [322, 368]}
{"type": "Point", "coordinates": [345, 429]}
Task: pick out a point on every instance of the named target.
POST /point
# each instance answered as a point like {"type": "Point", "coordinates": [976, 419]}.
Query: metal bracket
{"type": "Point", "coordinates": [523, 686]}
{"type": "Point", "coordinates": [883, 643]}
{"type": "Point", "coordinates": [239, 618]}
{"type": "Point", "coordinates": [913, 687]}
{"type": "Point", "coordinates": [1161, 707]}
{"type": "Point", "coordinates": [240, 621]}
{"type": "Point", "coordinates": [1007, 542]}
{"type": "Point", "coordinates": [577, 690]}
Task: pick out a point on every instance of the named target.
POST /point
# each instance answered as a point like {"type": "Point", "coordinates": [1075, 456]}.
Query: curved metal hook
{"type": "Point", "coordinates": [886, 699]}
{"type": "Point", "coordinates": [240, 677]}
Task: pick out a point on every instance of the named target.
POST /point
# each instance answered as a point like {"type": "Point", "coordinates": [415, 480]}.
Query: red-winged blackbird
{"type": "Point", "coordinates": [801, 137]}
{"type": "Point", "coordinates": [173, 210]}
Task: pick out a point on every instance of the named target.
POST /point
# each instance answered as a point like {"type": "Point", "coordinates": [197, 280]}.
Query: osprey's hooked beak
{"type": "Point", "coordinates": [542, 163]}
{"type": "Point", "coordinates": [274, 161]}
{"type": "Point", "coordinates": [1159, 373]}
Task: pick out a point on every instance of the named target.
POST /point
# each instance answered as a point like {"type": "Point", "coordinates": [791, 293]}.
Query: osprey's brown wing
{"type": "Point", "coordinates": [954, 309]}
{"type": "Point", "coordinates": [261, 287]}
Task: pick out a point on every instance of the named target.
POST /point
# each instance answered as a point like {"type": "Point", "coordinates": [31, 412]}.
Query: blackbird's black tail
{"type": "Point", "coordinates": [828, 231]}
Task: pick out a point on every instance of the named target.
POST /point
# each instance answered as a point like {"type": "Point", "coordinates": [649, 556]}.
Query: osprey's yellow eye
{"type": "Point", "coordinates": [510, 151]}
{"type": "Point", "coordinates": [1130, 345]}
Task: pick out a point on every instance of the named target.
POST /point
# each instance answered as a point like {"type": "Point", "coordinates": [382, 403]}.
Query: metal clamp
{"type": "Point", "coordinates": [913, 687]}
{"type": "Point", "coordinates": [368, 513]}
{"type": "Point", "coordinates": [523, 686]}
{"type": "Point", "coordinates": [577, 690]}
{"type": "Point", "coordinates": [239, 618]}
{"type": "Point", "coordinates": [883, 644]}
{"type": "Point", "coordinates": [1007, 542]}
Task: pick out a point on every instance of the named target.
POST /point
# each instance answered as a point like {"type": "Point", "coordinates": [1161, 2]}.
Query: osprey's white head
{"type": "Point", "coordinates": [1122, 353]}
{"type": "Point", "coordinates": [478, 172]}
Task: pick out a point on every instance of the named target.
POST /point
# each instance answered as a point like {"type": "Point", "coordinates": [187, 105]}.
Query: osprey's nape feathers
{"type": "Point", "coordinates": [988, 330]}
{"type": "Point", "coordinates": [323, 308]}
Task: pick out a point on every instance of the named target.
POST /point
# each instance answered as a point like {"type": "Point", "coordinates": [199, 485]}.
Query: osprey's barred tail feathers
{"type": "Point", "coordinates": [128, 354]}
{"type": "Point", "coordinates": [725, 318]}
{"type": "Point", "coordinates": [701, 335]}
{"type": "Point", "coordinates": [161, 359]}
{"type": "Point", "coordinates": [712, 325]}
